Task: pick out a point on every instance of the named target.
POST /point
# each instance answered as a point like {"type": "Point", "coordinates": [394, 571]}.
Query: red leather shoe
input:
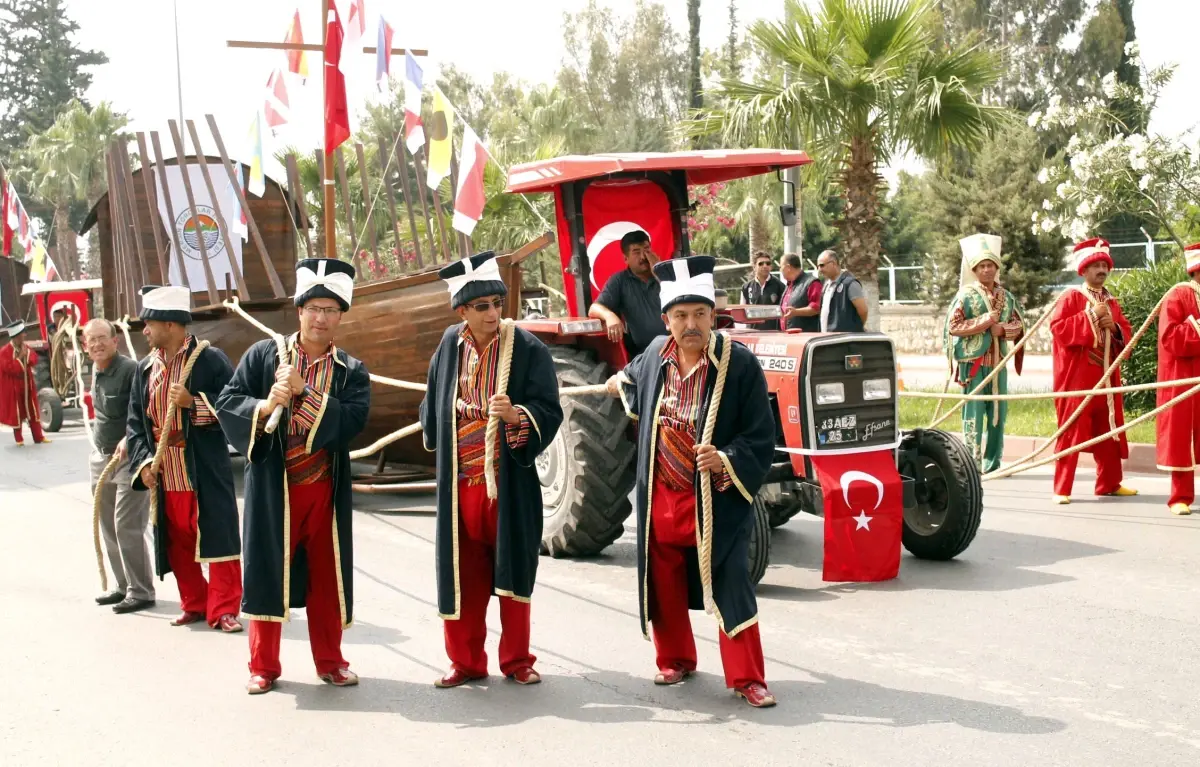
{"type": "Point", "coordinates": [457, 678]}
{"type": "Point", "coordinates": [525, 675]}
{"type": "Point", "coordinates": [343, 677]}
{"type": "Point", "coordinates": [229, 624]}
{"type": "Point", "coordinates": [671, 676]}
{"type": "Point", "coordinates": [259, 684]}
{"type": "Point", "coordinates": [186, 617]}
{"type": "Point", "coordinates": [756, 695]}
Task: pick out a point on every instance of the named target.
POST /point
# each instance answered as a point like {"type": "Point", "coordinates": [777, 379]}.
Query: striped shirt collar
{"type": "Point", "coordinates": [160, 356]}
{"type": "Point", "coordinates": [465, 335]}
{"type": "Point", "coordinates": [293, 344]}
{"type": "Point", "coordinates": [670, 352]}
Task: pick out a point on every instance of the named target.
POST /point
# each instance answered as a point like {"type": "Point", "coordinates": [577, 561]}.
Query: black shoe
{"type": "Point", "coordinates": [131, 605]}
{"type": "Point", "coordinates": [111, 598]}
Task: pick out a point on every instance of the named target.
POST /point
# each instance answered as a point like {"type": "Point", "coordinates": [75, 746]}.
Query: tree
{"type": "Point", "coordinates": [65, 164]}
{"type": "Point", "coordinates": [695, 86]}
{"type": "Point", "coordinates": [868, 83]}
{"type": "Point", "coordinates": [733, 58]}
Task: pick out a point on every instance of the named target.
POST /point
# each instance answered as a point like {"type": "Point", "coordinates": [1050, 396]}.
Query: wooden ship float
{"type": "Point", "coordinates": [396, 321]}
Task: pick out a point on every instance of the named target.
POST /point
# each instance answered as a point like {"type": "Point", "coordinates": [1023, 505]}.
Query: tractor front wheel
{"type": "Point", "coordinates": [949, 495]}
{"type": "Point", "coordinates": [587, 472]}
{"type": "Point", "coordinates": [760, 540]}
{"type": "Point", "coordinates": [50, 409]}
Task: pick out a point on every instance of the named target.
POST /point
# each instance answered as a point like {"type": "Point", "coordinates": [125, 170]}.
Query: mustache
{"type": "Point", "coordinates": [689, 333]}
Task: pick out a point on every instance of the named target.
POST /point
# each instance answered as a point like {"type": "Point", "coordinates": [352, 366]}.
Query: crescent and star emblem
{"type": "Point", "coordinates": [605, 236]}
{"type": "Point", "coordinates": [862, 521]}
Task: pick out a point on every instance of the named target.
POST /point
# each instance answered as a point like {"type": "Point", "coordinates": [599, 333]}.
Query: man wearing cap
{"type": "Point", "coordinates": [673, 390]}
{"type": "Point", "coordinates": [1089, 330]}
{"type": "Point", "coordinates": [18, 391]}
{"type": "Point", "coordinates": [1178, 427]}
{"type": "Point", "coordinates": [489, 499]}
{"type": "Point", "coordinates": [983, 320]}
{"type": "Point", "coordinates": [628, 305]}
{"type": "Point", "coordinates": [298, 546]}
{"type": "Point", "coordinates": [197, 516]}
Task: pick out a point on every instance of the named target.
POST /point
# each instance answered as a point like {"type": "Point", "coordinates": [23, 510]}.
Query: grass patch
{"type": "Point", "coordinates": [1026, 418]}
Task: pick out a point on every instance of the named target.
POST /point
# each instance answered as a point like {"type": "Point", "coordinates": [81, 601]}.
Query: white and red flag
{"type": "Point", "coordinates": [337, 116]}
{"type": "Point", "coordinates": [297, 60]}
{"type": "Point", "coordinates": [864, 515]}
{"type": "Point", "coordinates": [414, 133]}
{"type": "Point", "coordinates": [275, 106]}
{"type": "Point", "coordinates": [469, 198]}
{"type": "Point", "coordinates": [383, 54]}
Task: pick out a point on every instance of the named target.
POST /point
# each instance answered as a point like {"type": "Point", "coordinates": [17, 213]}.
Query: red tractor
{"type": "Point", "coordinates": [834, 391]}
{"type": "Point", "coordinates": [60, 305]}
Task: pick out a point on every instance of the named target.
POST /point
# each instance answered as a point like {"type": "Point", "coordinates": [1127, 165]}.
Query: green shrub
{"type": "Point", "coordinates": [1139, 290]}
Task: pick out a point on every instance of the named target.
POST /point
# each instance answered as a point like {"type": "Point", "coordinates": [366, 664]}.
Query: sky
{"type": "Point", "coordinates": [140, 78]}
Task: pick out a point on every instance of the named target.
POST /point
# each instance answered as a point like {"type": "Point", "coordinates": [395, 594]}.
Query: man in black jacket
{"type": "Point", "coordinates": [801, 297]}
{"type": "Point", "coordinates": [763, 288]}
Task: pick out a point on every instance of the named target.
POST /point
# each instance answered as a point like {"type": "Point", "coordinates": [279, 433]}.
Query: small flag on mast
{"type": "Point", "coordinates": [414, 134]}
{"type": "Point", "coordinates": [337, 116]}
{"type": "Point", "coordinates": [276, 106]}
{"type": "Point", "coordinates": [441, 131]}
{"type": "Point", "coordinates": [469, 198]}
{"type": "Point", "coordinates": [383, 54]}
{"type": "Point", "coordinates": [257, 184]}
{"type": "Point", "coordinates": [297, 60]}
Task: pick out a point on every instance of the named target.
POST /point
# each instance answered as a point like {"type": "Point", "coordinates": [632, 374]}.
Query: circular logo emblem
{"type": "Point", "coordinates": [203, 225]}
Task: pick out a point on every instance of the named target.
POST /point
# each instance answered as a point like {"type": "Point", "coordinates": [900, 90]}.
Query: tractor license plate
{"type": "Point", "coordinates": [778, 364]}
{"type": "Point", "coordinates": [838, 430]}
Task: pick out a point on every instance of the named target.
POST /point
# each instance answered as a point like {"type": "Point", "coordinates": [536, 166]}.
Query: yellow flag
{"type": "Point", "coordinates": [440, 129]}
{"type": "Point", "coordinates": [258, 184]}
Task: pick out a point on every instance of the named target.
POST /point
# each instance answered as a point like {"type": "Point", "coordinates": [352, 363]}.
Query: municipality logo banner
{"type": "Point", "coordinates": [205, 226]}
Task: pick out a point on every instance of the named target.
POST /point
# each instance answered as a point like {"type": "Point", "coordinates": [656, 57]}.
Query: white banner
{"type": "Point", "coordinates": [187, 230]}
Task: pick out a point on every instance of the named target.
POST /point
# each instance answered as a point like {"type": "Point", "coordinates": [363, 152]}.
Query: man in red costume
{"type": "Point", "coordinates": [18, 392]}
{"type": "Point", "coordinates": [1089, 332]}
{"type": "Point", "coordinates": [1178, 428]}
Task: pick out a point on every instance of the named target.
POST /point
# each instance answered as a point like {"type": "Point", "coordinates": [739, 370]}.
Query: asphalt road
{"type": "Point", "coordinates": [1062, 637]}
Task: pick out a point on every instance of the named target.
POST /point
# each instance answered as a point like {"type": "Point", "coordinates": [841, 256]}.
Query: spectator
{"type": "Point", "coordinates": [843, 303]}
{"type": "Point", "coordinates": [801, 304]}
{"type": "Point", "coordinates": [763, 288]}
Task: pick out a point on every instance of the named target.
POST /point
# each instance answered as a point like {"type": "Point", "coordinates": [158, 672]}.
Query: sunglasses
{"type": "Point", "coordinates": [483, 306]}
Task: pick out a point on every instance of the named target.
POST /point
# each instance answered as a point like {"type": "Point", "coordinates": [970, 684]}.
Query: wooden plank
{"type": "Point", "coordinates": [398, 152]}
{"type": "Point", "coordinates": [181, 160]}
{"type": "Point", "coordinates": [341, 171]}
{"type": "Point", "coordinates": [156, 225]}
{"type": "Point", "coordinates": [419, 167]}
{"type": "Point", "coordinates": [126, 222]}
{"type": "Point", "coordinates": [236, 268]}
{"type": "Point", "coordinates": [391, 198]}
{"type": "Point", "coordinates": [441, 223]}
{"type": "Point", "coordinates": [366, 185]}
{"type": "Point", "coordinates": [162, 181]}
{"type": "Point", "coordinates": [296, 191]}
{"type": "Point", "coordinates": [256, 45]}
{"type": "Point", "coordinates": [120, 233]}
{"type": "Point", "coordinates": [121, 292]}
{"type": "Point", "coordinates": [127, 188]}
{"type": "Point", "coordinates": [236, 181]}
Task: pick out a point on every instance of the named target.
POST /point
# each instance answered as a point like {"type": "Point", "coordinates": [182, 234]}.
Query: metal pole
{"type": "Point", "coordinates": [1149, 246]}
{"type": "Point", "coordinates": [327, 166]}
{"type": "Point", "coordinates": [178, 73]}
{"type": "Point", "coordinates": [791, 239]}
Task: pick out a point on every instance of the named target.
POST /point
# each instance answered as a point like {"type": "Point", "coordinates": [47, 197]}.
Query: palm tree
{"type": "Point", "coordinates": [67, 165]}
{"type": "Point", "coordinates": [868, 82]}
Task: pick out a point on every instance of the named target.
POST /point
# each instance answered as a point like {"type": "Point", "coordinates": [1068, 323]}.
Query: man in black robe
{"type": "Point", "coordinates": [196, 518]}
{"type": "Point", "coordinates": [693, 552]}
{"type": "Point", "coordinates": [489, 499]}
{"type": "Point", "coordinates": [297, 521]}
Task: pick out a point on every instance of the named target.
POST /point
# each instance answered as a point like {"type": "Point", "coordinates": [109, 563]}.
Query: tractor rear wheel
{"type": "Point", "coordinates": [949, 495]}
{"type": "Point", "coordinates": [588, 471]}
{"type": "Point", "coordinates": [760, 540]}
{"type": "Point", "coordinates": [50, 409]}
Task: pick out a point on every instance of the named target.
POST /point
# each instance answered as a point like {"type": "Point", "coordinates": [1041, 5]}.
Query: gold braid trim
{"type": "Point", "coordinates": [493, 426]}
{"type": "Point", "coordinates": [710, 425]}
{"type": "Point", "coordinates": [160, 449]}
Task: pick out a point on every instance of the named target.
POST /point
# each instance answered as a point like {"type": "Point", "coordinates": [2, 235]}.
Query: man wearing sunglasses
{"type": "Point", "coordinates": [489, 499]}
{"type": "Point", "coordinates": [298, 549]}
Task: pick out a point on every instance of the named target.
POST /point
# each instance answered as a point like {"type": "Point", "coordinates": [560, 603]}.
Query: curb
{"type": "Point", "coordinates": [1141, 456]}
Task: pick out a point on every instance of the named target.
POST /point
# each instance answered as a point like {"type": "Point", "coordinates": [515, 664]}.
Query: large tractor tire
{"type": "Point", "coordinates": [949, 495]}
{"type": "Point", "coordinates": [50, 409]}
{"type": "Point", "coordinates": [760, 540]}
{"type": "Point", "coordinates": [588, 471]}
{"type": "Point", "coordinates": [778, 513]}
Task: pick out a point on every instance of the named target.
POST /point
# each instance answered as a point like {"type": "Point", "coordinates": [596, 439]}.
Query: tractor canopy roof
{"type": "Point", "coordinates": [702, 167]}
{"type": "Point", "coordinates": [34, 288]}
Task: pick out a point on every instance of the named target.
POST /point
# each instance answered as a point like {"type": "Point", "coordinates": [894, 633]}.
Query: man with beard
{"type": "Point", "coordinates": [694, 495]}
{"type": "Point", "coordinates": [299, 550]}
{"type": "Point", "coordinates": [489, 499]}
{"type": "Point", "coordinates": [628, 305]}
{"type": "Point", "coordinates": [1178, 427]}
{"type": "Point", "coordinates": [197, 515]}
{"type": "Point", "coordinates": [1089, 331]}
{"type": "Point", "coordinates": [18, 391]}
{"type": "Point", "coordinates": [763, 288]}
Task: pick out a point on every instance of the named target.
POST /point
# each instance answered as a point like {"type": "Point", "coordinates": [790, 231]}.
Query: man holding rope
{"type": "Point", "coordinates": [1178, 428]}
{"type": "Point", "coordinates": [1089, 330]}
{"type": "Point", "coordinates": [123, 511]}
{"type": "Point", "coordinates": [18, 391]}
{"type": "Point", "coordinates": [705, 442]}
{"type": "Point", "coordinates": [180, 455]}
{"type": "Point", "coordinates": [299, 549]}
{"type": "Point", "coordinates": [982, 321]}
{"type": "Point", "coordinates": [489, 500]}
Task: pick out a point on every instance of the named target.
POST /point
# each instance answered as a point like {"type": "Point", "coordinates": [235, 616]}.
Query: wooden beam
{"type": "Point", "coordinates": [398, 151]}
{"type": "Point", "coordinates": [236, 181]}
{"type": "Point", "coordinates": [181, 160]}
{"type": "Point", "coordinates": [296, 190]}
{"type": "Point", "coordinates": [162, 181]}
{"type": "Point", "coordinates": [256, 45]}
{"type": "Point", "coordinates": [420, 169]}
{"type": "Point", "coordinates": [126, 183]}
{"type": "Point", "coordinates": [366, 185]}
{"type": "Point", "coordinates": [345, 185]}
{"type": "Point", "coordinates": [234, 266]}
{"type": "Point", "coordinates": [152, 204]}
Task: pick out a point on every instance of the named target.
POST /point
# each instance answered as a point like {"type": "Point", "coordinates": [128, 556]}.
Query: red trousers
{"type": "Point", "coordinates": [1106, 454]}
{"type": "Point", "coordinates": [476, 567]}
{"type": "Point", "coordinates": [312, 528]}
{"type": "Point", "coordinates": [223, 596]}
{"type": "Point", "coordinates": [35, 426]}
{"type": "Point", "coordinates": [672, 533]}
{"type": "Point", "coordinates": [1183, 487]}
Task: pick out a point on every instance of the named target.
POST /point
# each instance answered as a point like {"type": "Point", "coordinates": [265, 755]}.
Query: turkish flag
{"type": "Point", "coordinates": [337, 117]}
{"type": "Point", "coordinates": [8, 199]}
{"type": "Point", "coordinates": [612, 209]}
{"type": "Point", "coordinates": [864, 515]}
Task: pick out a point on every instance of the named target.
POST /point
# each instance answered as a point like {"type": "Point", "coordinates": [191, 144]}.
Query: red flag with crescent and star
{"type": "Point", "coordinates": [864, 515]}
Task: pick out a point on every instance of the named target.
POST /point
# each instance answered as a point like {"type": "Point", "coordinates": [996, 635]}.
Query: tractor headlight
{"type": "Point", "coordinates": [830, 393]}
{"type": "Point", "coordinates": [877, 388]}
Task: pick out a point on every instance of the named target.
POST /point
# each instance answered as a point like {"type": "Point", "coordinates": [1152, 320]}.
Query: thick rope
{"type": "Point", "coordinates": [710, 426]}
{"type": "Point", "coordinates": [281, 351]}
{"type": "Point", "coordinates": [160, 449]}
{"type": "Point", "coordinates": [507, 334]}
{"type": "Point", "coordinates": [1053, 394]}
{"type": "Point", "coordinates": [80, 391]}
{"type": "Point", "coordinates": [104, 475]}
{"type": "Point", "coordinates": [123, 325]}
{"type": "Point", "coordinates": [380, 444]}
{"type": "Point", "coordinates": [1003, 363]}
